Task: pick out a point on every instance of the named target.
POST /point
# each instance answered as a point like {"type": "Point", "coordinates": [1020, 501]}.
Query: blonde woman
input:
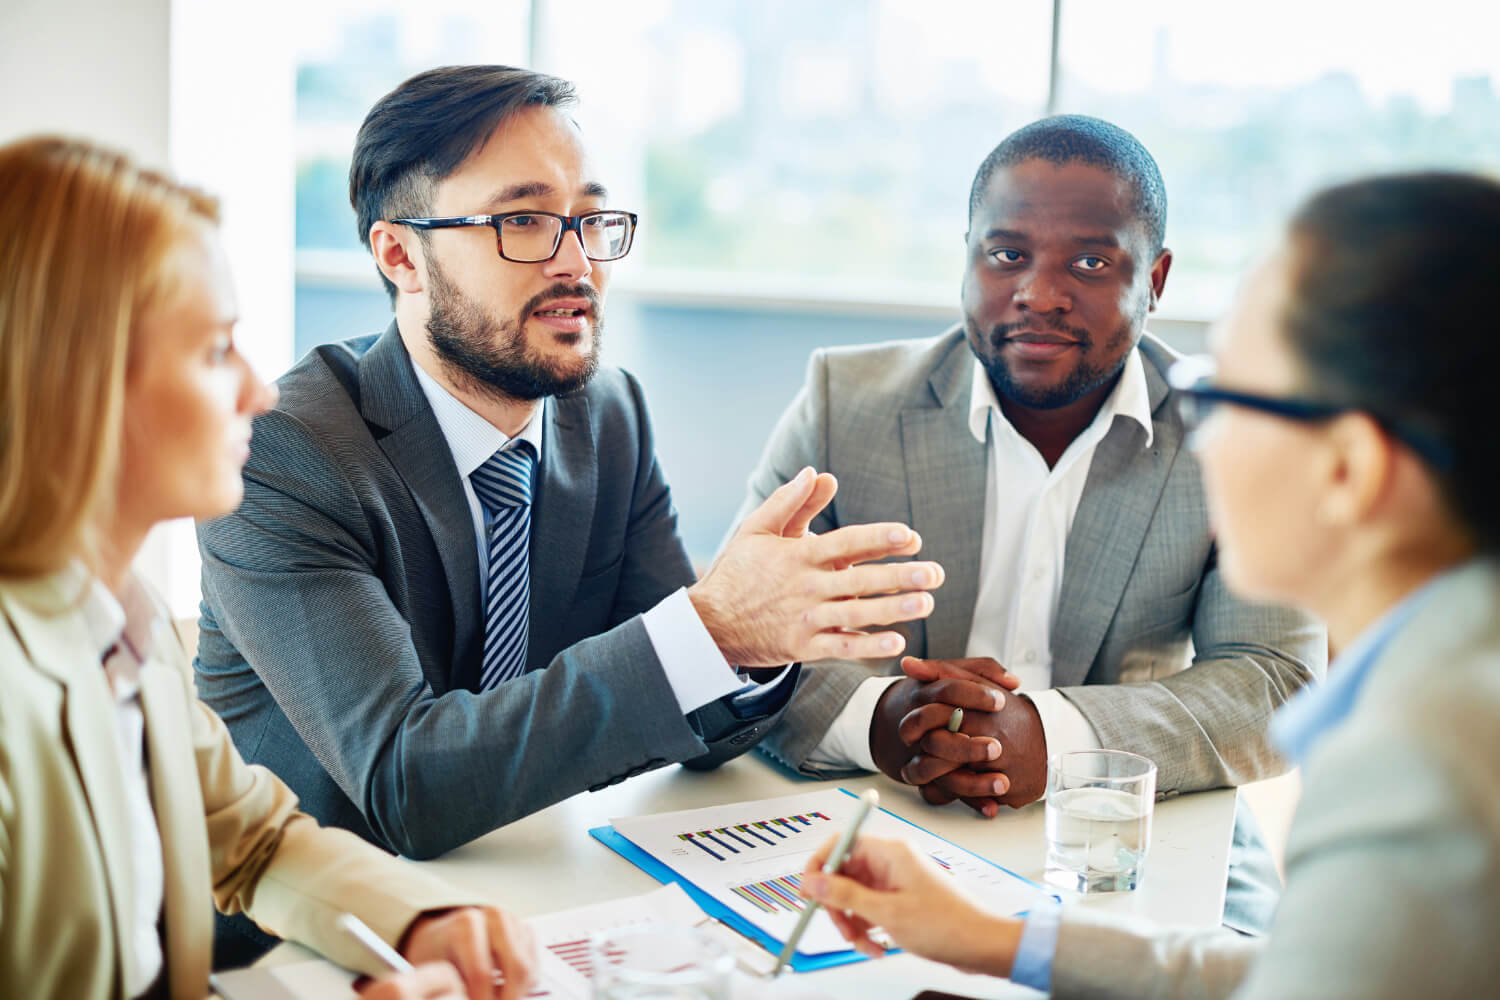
{"type": "Point", "coordinates": [125, 811]}
{"type": "Point", "coordinates": [1349, 454]}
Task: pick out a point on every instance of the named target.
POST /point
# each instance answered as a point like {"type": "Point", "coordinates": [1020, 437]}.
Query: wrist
{"type": "Point", "coordinates": [992, 942]}
{"type": "Point", "coordinates": [711, 613]}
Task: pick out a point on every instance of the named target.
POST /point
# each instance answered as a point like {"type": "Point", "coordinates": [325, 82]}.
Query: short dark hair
{"type": "Point", "coordinates": [1080, 139]}
{"type": "Point", "coordinates": [421, 132]}
{"type": "Point", "coordinates": [1391, 310]}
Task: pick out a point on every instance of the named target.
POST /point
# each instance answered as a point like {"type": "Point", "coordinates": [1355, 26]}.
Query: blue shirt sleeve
{"type": "Point", "coordinates": [1038, 946]}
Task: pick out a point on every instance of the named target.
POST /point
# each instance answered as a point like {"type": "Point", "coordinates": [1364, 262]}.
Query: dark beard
{"type": "Point", "coordinates": [490, 356]}
{"type": "Point", "coordinates": [1083, 379]}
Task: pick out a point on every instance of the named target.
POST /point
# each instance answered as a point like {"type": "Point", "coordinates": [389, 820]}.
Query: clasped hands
{"type": "Point", "coordinates": [778, 593]}
{"type": "Point", "coordinates": [998, 756]}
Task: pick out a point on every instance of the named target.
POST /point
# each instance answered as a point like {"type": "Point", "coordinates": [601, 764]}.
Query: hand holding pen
{"type": "Point", "coordinates": [891, 885]}
{"type": "Point", "coordinates": [437, 976]}
{"type": "Point", "coordinates": [828, 859]}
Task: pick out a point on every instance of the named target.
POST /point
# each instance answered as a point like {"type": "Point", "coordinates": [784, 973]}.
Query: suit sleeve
{"type": "Point", "coordinates": [1386, 891]}
{"type": "Point", "coordinates": [292, 876]}
{"type": "Point", "coordinates": [800, 439]}
{"type": "Point", "coordinates": [292, 580]}
{"type": "Point", "coordinates": [1207, 726]}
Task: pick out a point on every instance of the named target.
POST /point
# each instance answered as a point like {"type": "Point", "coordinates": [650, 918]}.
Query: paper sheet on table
{"type": "Point", "coordinates": [749, 857]}
{"type": "Point", "coordinates": [293, 981]}
{"type": "Point", "coordinates": [562, 945]}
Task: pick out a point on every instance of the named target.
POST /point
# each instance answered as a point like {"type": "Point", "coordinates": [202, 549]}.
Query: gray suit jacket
{"type": "Point", "coordinates": [1147, 642]}
{"type": "Point", "coordinates": [340, 637]}
{"type": "Point", "coordinates": [1393, 863]}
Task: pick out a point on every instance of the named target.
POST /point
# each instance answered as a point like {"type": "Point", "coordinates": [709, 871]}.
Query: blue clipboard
{"type": "Point", "coordinates": [659, 870]}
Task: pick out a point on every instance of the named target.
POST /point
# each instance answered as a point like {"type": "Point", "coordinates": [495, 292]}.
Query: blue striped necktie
{"type": "Point", "coordinates": [503, 484]}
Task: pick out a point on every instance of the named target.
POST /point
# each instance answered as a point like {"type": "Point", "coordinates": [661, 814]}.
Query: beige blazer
{"type": "Point", "coordinates": [231, 834]}
{"type": "Point", "coordinates": [1393, 863]}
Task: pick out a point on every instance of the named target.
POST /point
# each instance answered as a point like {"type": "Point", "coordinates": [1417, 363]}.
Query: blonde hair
{"type": "Point", "coordinates": [87, 235]}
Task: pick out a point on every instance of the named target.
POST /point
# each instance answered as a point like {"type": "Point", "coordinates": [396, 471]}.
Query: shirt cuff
{"type": "Point", "coordinates": [847, 742]}
{"type": "Point", "coordinates": [1038, 946]}
{"type": "Point", "coordinates": [1063, 726]}
{"type": "Point", "coordinates": [696, 670]}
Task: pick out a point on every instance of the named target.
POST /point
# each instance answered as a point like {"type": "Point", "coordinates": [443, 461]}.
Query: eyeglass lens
{"type": "Point", "coordinates": [605, 236]}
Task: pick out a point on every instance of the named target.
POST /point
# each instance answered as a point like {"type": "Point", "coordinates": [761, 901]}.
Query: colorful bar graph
{"type": "Point", "coordinates": [773, 895]}
{"type": "Point", "coordinates": [700, 845]}
{"type": "Point", "coordinates": [742, 837]}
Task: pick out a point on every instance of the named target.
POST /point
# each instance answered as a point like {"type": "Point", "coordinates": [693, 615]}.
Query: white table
{"type": "Point", "coordinates": [548, 862]}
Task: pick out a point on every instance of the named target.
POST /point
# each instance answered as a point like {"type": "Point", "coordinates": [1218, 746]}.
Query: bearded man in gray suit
{"type": "Point", "coordinates": [1037, 451]}
{"type": "Point", "coordinates": [455, 592]}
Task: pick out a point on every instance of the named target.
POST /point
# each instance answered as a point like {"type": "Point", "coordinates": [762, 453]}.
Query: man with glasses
{"type": "Point", "coordinates": [1037, 449]}
{"type": "Point", "coordinates": [455, 592]}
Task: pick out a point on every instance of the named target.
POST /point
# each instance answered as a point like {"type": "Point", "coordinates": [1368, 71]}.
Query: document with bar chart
{"type": "Point", "coordinates": [748, 858]}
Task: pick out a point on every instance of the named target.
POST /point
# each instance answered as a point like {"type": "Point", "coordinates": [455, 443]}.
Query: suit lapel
{"type": "Point", "coordinates": [1120, 497]}
{"type": "Point", "coordinates": [392, 398]}
{"type": "Point", "coordinates": [56, 638]}
{"type": "Point", "coordinates": [178, 801]}
{"type": "Point", "coordinates": [945, 476]}
{"type": "Point", "coordinates": [562, 516]}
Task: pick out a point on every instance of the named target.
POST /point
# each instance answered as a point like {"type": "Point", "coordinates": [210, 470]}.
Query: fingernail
{"type": "Point", "coordinates": [1002, 785]}
{"type": "Point", "coordinates": [890, 644]}
{"type": "Point", "coordinates": [917, 578]}
{"type": "Point", "coordinates": [911, 605]}
{"type": "Point", "coordinates": [814, 886]}
{"type": "Point", "coordinates": [991, 810]}
{"type": "Point", "coordinates": [804, 475]}
{"type": "Point", "coordinates": [997, 700]}
{"type": "Point", "coordinates": [992, 751]}
{"type": "Point", "coordinates": [897, 535]}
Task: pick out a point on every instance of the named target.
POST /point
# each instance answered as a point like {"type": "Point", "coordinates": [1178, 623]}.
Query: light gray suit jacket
{"type": "Point", "coordinates": [1393, 864]}
{"type": "Point", "coordinates": [1147, 642]}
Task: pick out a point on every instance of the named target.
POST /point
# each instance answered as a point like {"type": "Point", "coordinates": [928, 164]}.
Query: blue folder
{"type": "Point", "coordinates": [662, 872]}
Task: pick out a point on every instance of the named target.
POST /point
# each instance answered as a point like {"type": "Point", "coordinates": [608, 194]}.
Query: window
{"type": "Point", "coordinates": [1250, 108]}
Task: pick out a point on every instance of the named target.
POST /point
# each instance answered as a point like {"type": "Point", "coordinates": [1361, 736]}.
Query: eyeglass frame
{"type": "Point", "coordinates": [570, 223]}
{"type": "Point", "coordinates": [1191, 377]}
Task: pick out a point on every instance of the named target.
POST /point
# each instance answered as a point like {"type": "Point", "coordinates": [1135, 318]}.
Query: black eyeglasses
{"type": "Point", "coordinates": [1198, 397]}
{"type": "Point", "coordinates": [531, 237]}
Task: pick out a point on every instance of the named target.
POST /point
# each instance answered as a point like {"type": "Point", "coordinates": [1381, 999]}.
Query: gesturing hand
{"type": "Point", "coordinates": [889, 884]}
{"type": "Point", "coordinates": [777, 594]}
{"type": "Point", "coordinates": [479, 941]}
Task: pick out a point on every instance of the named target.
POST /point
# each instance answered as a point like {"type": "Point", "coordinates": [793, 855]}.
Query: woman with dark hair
{"type": "Point", "coordinates": [1349, 453]}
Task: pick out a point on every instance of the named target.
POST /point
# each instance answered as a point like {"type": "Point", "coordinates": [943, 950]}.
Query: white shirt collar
{"type": "Point", "coordinates": [1130, 398]}
{"type": "Point", "coordinates": [121, 632]}
{"type": "Point", "coordinates": [470, 437]}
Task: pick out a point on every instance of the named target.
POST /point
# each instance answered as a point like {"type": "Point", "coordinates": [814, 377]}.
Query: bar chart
{"type": "Point", "coordinates": [742, 838]}
{"type": "Point", "coordinates": [773, 895]}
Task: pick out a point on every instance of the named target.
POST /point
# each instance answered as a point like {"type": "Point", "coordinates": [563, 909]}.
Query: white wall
{"type": "Point", "coordinates": [97, 68]}
{"type": "Point", "coordinates": [164, 81]}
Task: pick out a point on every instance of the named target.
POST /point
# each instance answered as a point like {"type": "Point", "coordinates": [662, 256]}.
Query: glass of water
{"type": "Point", "coordinates": [1098, 819]}
{"type": "Point", "coordinates": [658, 962]}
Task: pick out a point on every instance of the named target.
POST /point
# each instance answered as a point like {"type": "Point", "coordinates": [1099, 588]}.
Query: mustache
{"type": "Point", "coordinates": [1048, 324]}
{"type": "Point", "coordinates": [563, 290]}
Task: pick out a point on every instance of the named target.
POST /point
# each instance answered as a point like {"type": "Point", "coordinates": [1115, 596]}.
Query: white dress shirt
{"type": "Point", "coordinates": [122, 635]}
{"type": "Point", "coordinates": [695, 669]}
{"type": "Point", "coordinates": [1028, 512]}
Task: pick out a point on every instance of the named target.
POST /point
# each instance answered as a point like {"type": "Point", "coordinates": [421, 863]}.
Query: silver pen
{"type": "Point", "coordinates": [867, 801]}
{"type": "Point", "coordinates": [357, 929]}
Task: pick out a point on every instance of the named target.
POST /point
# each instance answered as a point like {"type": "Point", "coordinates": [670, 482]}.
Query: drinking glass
{"type": "Point", "coordinates": [1098, 819]}
{"type": "Point", "coordinates": [658, 962]}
